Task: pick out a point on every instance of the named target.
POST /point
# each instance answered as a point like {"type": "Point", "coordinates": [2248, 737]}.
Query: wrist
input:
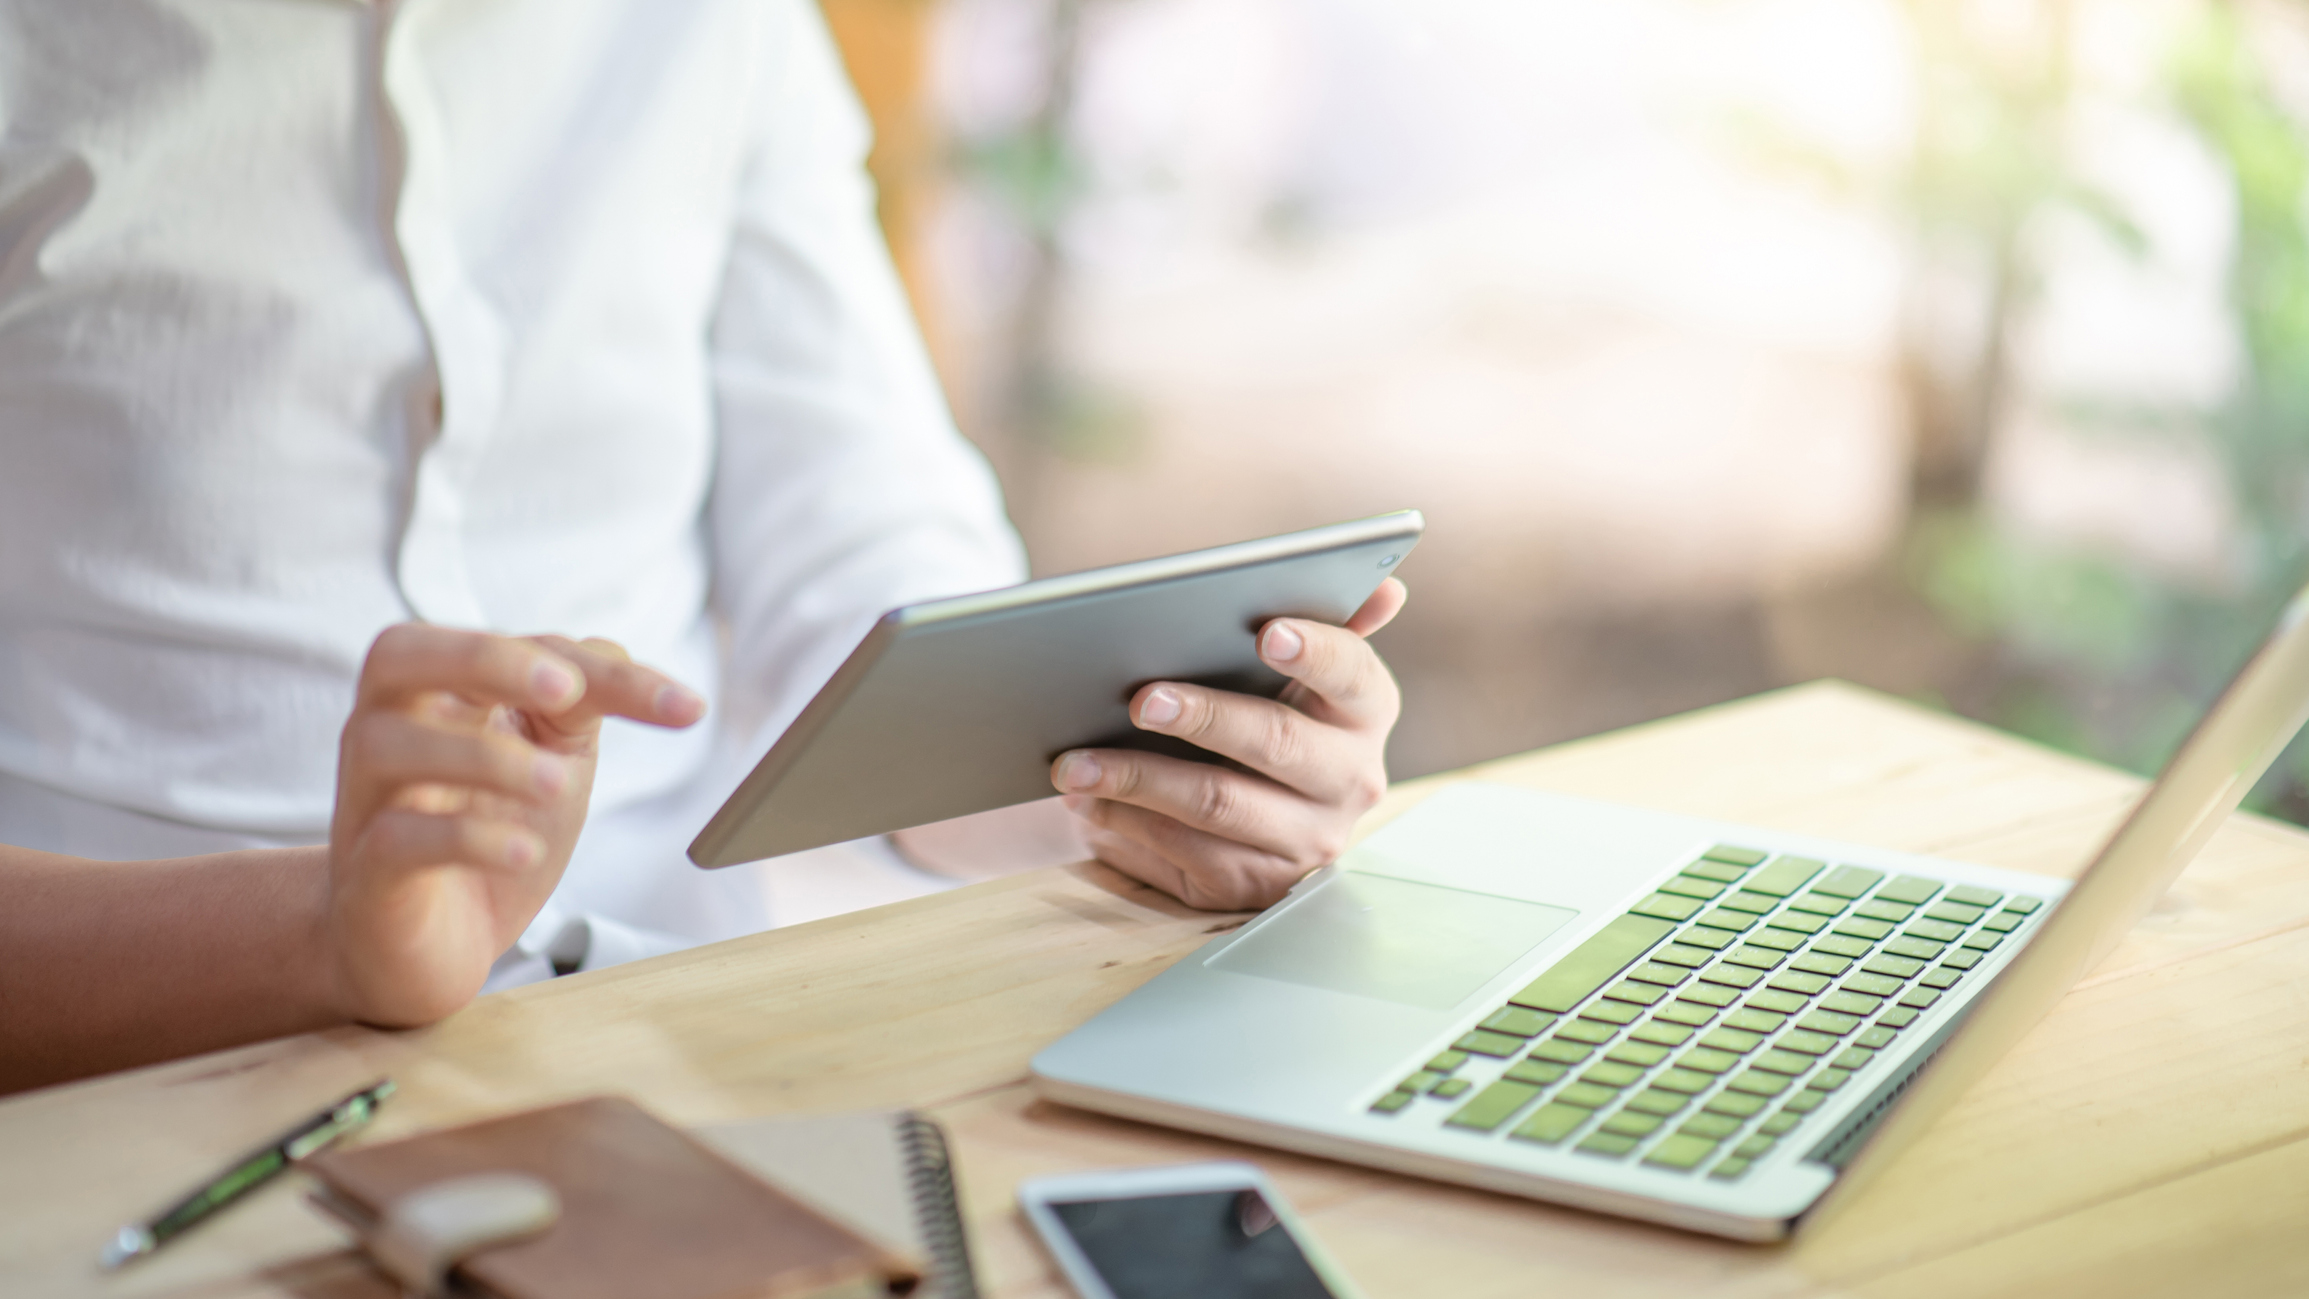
{"type": "Point", "coordinates": [317, 954]}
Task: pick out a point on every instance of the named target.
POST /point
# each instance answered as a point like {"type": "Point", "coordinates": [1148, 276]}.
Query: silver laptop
{"type": "Point", "coordinates": [1713, 1026]}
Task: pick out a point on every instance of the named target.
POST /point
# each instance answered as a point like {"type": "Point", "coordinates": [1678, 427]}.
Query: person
{"type": "Point", "coordinates": [341, 341]}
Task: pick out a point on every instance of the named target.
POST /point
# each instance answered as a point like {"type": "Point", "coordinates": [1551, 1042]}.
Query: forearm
{"type": "Point", "coordinates": [105, 965]}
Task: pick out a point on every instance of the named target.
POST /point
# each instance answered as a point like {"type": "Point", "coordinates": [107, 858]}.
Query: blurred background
{"type": "Point", "coordinates": [1959, 348]}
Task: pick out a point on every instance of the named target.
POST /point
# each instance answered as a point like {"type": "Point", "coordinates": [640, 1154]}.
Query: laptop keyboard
{"type": "Point", "coordinates": [1758, 988]}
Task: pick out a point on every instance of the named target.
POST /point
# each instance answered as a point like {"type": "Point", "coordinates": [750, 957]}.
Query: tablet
{"type": "Point", "coordinates": [956, 706]}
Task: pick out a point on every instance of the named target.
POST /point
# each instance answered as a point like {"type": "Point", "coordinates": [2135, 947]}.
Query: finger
{"type": "Point", "coordinates": [392, 749]}
{"type": "Point", "coordinates": [616, 686]}
{"type": "Point", "coordinates": [400, 839]}
{"type": "Point", "coordinates": [1381, 608]}
{"type": "Point", "coordinates": [1278, 741]}
{"type": "Point", "coordinates": [414, 659]}
{"type": "Point", "coordinates": [1230, 804]}
{"type": "Point", "coordinates": [1337, 676]}
{"type": "Point", "coordinates": [1199, 869]}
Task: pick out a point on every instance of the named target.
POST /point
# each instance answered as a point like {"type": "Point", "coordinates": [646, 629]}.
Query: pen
{"type": "Point", "coordinates": [260, 1166]}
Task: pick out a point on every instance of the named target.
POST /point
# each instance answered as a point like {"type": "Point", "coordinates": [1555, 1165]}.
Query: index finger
{"type": "Point", "coordinates": [616, 686]}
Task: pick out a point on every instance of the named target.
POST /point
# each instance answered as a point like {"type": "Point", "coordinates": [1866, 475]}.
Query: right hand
{"type": "Point", "coordinates": [462, 782]}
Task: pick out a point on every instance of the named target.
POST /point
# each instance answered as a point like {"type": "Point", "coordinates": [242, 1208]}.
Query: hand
{"type": "Point", "coordinates": [1230, 840]}
{"type": "Point", "coordinates": [462, 782]}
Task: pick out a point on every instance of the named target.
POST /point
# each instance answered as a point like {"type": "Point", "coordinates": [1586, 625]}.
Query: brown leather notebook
{"type": "Point", "coordinates": [645, 1210]}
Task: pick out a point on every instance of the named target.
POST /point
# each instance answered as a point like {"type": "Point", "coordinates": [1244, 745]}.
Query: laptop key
{"type": "Point", "coordinates": [1955, 913]}
{"type": "Point", "coordinates": [1778, 1061]}
{"type": "Point", "coordinates": [1921, 949]}
{"type": "Point", "coordinates": [1807, 1042]}
{"type": "Point", "coordinates": [1642, 994]}
{"type": "Point", "coordinates": [1711, 993]}
{"type": "Point", "coordinates": [1841, 945]}
{"type": "Point", "coordinates": [1713, 1127]}
{"type": "Point", "coordinates": [1687, 1015]}
{"type": "Point", "coordinates": [1738, 1105]}
{"type": "Point", "coordinates": [1585, 1030]}
{"type": "Point", "coordinates": [1608, 1144]}
{"type": "Point", "coordinates": [1797, 981]}
{"type": "Point", "coordinates": [1821, 963]}
{"type": "Point", "coordinates": [1642, 1054]}
{"type": "Point", "coordinates": [1592, 964]}
{"type": "Point", "coordinates": [1707, 1059]}
{"type": "Point", "coordinates": [1759, 1083]}
{"type": "Point", "coordinates": [1586, 1095]}
{"type": "Point", "coordinates": [1963, 958]}
{"type": "Point", "coordinates": [1735, 855]}
{"type": "Point", "coordinates": [1680, 1151]}
{"type": "Point", "coordinates": [1974, 896]}
{"type": "Point", "coordinates": [1751, 902]}
{"type": "Point", "coordinates": [1736, 1041]}
{"type": "Point", "coordinates": [2003, 922]}
{"type": "Point", "coordinates": [1755, 1021]}
{"type": "Point", "coordinates": [2023, 906]}
{"type": "Point", "coordinates": [1782, 1003]}
{"type": "Point", "coordinates": [1912, 889]}
{"type": "Point", "coordinates": [1492, 1106]}
{"type": "Point", "coordinates": [1684, 1082]}
{"type": "Point", "coordinates": [1939, 931]}
{"type": "Point", "coordinates": [1894, 967]}
{"type": "Point", "coordinates": [1777, 939]}
{"type": "Point", "coordinates": [1984, 941]}
{"type": "Point", "coordinates": [1875, 1035]}
{"type": "Point", "coordinates": [1732, 975]}
{"type": "Point", "coordinates": [1715, 940]}
{"type": "Point", "coordinates": [1450, 1087]}
{"type": "Point", "coordinates": [1662, 1032]}
{"type": "Point", "coordinates": [1754, 957]}
{"type": "Point", "coordinates": [1798, 921]}
{"type": "Point", "coordinates": [1784, 876]}
{"type": "Point", "coordinates": [1420, 1081]}
{"type": "Point", "coordinates": [1615, 1013]}
{"type": "Point", "coordinates": [1667, 976]}
{"type": "Point", "coordinates": [1485, 1042]}
{"type": "Point", "coordinates": [1730, 1168]}
{"type": "Point", "coordinates": [1658, 1101]}
{"type": "Point", "coordinates": [1447, 1061]}
{"type": "Point", "coordinates": [1875, 985]}
{"type": "Point", "coordinates": [1557, 1051]}
{"type": "Point", "coordinates": [1854, 1057]}
{"type": "Point", "coordinates": [1828, 1021]}
{"type": "Point", "coordinates": [1878, 909]}
{"type": "Point", "coordinates": [1719, 872]}
{"type": "Point", "coordinates": [1519, 1021]}
{"type": "Point", "coordinates": [1828, 1080]}
{"type": "Point", "coordinates": [1941, 976]}
{"type": "Point", "coordinates": [1731, 921]}
{"type": "Point", "coordinates": [1919, 998]}
{"type": "Point", "coordinates": [1392, 1102]}
{"type": "Point", "coordinates": [1819, 903]}
{"type": "Point", "coordinates": [1631, 1124]}
{"type": "Point", "coordinates": [1805, 1101]}
{"type": "Point", "coordinates": [1848, 881]}
{"type": "Point", "coordinates": [1756, 1146]}
{"type": "Point", "coordinates": [1550, 1123]}
{"type": "Point", "coordinates": [1691, 958]}
{"type": "Point", "coordinates": [1537, 1072]}
{"type": "Point", "coordinates": [1612, 1074]}
{"type": "Point", "coordinates": [1667, 906]}
{"type": "Point", "coordinates": [1851, 1003]}
{"type": "Point", "coordinates": [1779, 1124]}
{"type": "Point", "coordinates": [1687, 887]}
{"type": "Point", "coordinates": [1898, 1017]}
{"type": "Point", "coordinates": [1862, 927]}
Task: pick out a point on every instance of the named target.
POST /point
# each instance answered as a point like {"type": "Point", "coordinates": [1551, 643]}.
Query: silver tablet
{"type": "Point", "coordinates": [956, 706]}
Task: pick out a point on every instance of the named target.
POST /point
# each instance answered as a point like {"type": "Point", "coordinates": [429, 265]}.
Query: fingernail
{"type": "Point", "coordinates": [549, 774]}
{"type": "Point", "coordinates": [1078, 770]}
{"type": "Point", "coordinates": [523, 850]}
{"type": "Point", "coordinates": [552, 682]}
{"type": "Point", "coordinates": [679, 704]}
{"type": "Point", "coordinates": [1283, 642]}
{"type": "Point", "coordinates": [1161, 707]}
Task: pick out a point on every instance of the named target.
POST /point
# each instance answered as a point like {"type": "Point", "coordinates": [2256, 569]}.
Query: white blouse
{"type": "Point", "coordinates": [532, 315]}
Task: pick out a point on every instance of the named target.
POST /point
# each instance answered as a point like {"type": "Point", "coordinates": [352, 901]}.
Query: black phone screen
{"type": "Point", "coordinates": [1198, 1245]}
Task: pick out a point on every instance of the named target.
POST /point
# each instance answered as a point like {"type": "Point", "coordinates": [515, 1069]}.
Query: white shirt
{"type": "Point", "coordinates": [532, 315]}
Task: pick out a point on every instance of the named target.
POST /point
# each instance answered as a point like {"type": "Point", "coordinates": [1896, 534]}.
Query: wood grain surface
{"type": "Point", "coordinates": [2151, 1137]}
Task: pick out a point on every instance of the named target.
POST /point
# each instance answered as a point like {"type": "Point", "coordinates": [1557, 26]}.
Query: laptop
{"type": "Point", "coordinates": [1714, 1026]}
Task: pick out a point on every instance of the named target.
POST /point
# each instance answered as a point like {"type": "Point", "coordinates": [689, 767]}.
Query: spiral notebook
{"type": "Point", "coordinates": [885, 1174]}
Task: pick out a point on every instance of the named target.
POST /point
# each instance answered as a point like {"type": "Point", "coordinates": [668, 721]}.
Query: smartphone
{"type": "Point", "coordinates": [1188, 1231]}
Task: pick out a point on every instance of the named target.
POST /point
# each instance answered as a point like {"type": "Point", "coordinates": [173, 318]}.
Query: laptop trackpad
{"type": "Point", "coordinates": [1420, 944]}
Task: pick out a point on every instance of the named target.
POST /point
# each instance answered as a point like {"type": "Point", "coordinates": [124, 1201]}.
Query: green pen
{"type": "Point", "coordinates": [260, 1166]}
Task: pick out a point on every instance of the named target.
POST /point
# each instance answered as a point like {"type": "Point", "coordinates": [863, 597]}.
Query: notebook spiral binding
{"type": "Point", "coordinates": [930, 1174]}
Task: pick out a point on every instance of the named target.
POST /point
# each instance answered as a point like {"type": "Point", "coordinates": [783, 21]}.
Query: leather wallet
{"type": "Point", "coordinates": [643, 1210]}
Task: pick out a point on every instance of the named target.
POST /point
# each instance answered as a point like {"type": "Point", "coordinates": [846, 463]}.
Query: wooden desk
{"type": "Point", "coordinates": [2149, 1138]}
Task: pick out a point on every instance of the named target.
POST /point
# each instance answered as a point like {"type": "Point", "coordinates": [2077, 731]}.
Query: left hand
{"type": "Point", "coordinates": [1227, 840]}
